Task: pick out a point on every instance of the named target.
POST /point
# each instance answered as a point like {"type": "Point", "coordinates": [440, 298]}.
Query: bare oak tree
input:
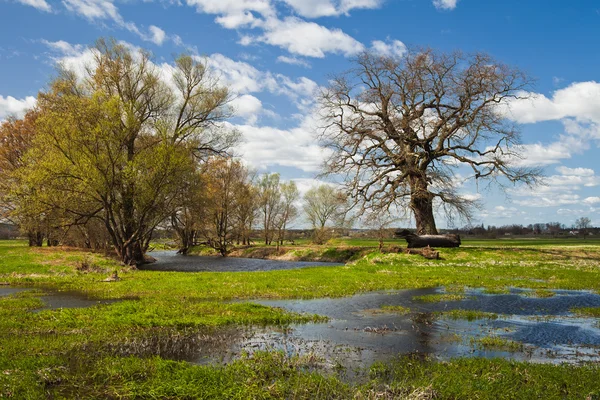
{"type": "Point", "coordinates": [399, 129]}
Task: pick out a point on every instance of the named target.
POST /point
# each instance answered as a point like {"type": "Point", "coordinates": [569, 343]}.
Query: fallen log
{"type": "Point", "coordinates": [419, 241]}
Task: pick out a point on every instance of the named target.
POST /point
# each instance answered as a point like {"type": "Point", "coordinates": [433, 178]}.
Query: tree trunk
{"type": "Point", "coordinates": [36, 239]}
{"type": "Point", "coordinates": [421, 204]}
{"type": "Point", "coordinates": [131, 253]}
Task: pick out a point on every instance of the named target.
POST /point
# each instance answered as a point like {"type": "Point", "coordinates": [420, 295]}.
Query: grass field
{"type": "Point", "coordinates": [109, 351]}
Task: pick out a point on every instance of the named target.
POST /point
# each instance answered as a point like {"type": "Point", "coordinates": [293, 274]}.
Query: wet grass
{"type": "Point", "coordinates": [396, 310]}
{"type": "Point", "coordinates": [496, 343]}
{"type": "Point", "coordinates": [540, 294]}
{"type": "Point", "coordinates": [587, 311]}
{"type": "Point", "coordinates": [469, 315]}
{"type": "Point", "coordinates": [110, 351]}
{"type": "Point", "coordinates": [439, 298]}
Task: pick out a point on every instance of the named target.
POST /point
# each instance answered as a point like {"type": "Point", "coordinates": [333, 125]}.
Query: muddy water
{"type": "Point", "coordinates": [360, 333]}
{"type": "Point", "coordinates": [171, 261]}
{"type": "Point", "coordinates": [55, 300]}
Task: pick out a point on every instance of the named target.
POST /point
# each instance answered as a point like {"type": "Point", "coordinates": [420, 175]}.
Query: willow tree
{"type": "Point", "coordinates": [116, 143]}
{"type": "Point", "coordinates": [16, 138]}
{"type": "Point", "coordinates": [399, 129]}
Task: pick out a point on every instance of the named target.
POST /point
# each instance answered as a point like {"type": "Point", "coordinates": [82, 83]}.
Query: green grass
{"type": "Point", "coordinates": [496, 343]}
{"type": "Point", "coordinates": [109, 351]}
{"type": "Point", "coordinates": [439, 298]}
{"type": "Point", "coordinates": [587, 311]}
{"type": "Point", "coordinates": [396, 309]}
{"type": "Point", "coordinates": [469, 315]}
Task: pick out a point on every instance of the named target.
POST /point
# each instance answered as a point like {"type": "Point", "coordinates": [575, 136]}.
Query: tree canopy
{"type": "Point", "coordinates": [116, 144]}
{"type": "Point", "coordinates": [400, 128]}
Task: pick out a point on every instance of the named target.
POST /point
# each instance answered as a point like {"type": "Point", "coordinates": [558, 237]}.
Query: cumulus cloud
{"type": "Point", "coordinates": [233, 14]}
{"type": "Point", "coordinates": [10, 106]}
{"type": "Point", "coordinates": [157, 35]}
{"type": "Point", "coordinates": [293, 61]}
{"type": "Point", "coordinates": [328, 8]}
{"type": "Point", "coordinates": [389, 48]}
{"type": "Point", "coordinates": [559, 190]}
{"type": "Point", "coordinates": [98, 10]}
{"type": "Point", "coordinates": [592, 200]}
{"type": "Point", "coordinates": [445, 4]}
{"type": "Point", "coordinates": [41, 5]}
{"type": "Point", "coordinates": [265, 147]}
{"type": "Point", "coordinates": [291, 33]}
{"type": "Point", "coordinates": [305, 38]}
{"type": "Point", "coordinates": [586, 172]}
{"type": "Point", "coordinates": [247, 107]}
{"type": "Point", "coordinates": [580, 100]}
{"type": "Point", "coordinates": [576, 106]}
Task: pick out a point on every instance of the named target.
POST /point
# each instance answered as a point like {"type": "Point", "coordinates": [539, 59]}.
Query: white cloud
{"type": "Point", "coordinates": [538, 154]}
{"type": "Point", "coordinates": [248, 107]}
{"type": "Point", "coordinates": [293, 61]}
{"type": "Point", "coordinates": [547, 201]}
{"type": "Point", "coordinates": [240, 76]}
{"type": "Point", "coordinates": [580, 100]}
{"type": "Point", "coordinates": [10, 106]}
{"type": "Point", "coordinates": [265, 147]}
{"type": "Point", "coordinates": [233, 14]}
{"type": "Point", "coordinates": [445, 4]}
{"type": "Point", "coordinates": [306, 38]}
{"type": "Point", "coordinates": [471, 196]}
{"type": "Point", "coordinates": [328, 8]}
{"type": "Point", "coordinates": [41, 5]}
{"type": "Point", "coordinates": [559, 190]}
{"type": "Point", "coordinates": [234, 21]}
{"type": "Point", "coordinates": [157, 35]}
{"type": "Point", "coordinates": [390, 48]}
{"type": "Point", "coordinates": [63, 47]}
{"type": "Point", "coordinates": [591, 200]}
{"type": "Point", "coordinates": [94, 9]}
{"type": "Point", "coordinates": [575, 171]}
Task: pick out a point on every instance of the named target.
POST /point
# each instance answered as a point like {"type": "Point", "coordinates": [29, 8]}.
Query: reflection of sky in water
{"type": "Point", "coordinates": [356, 334]}
{"type": "Point", "coordinates": [171, 261]}
{"type": "Point", "coordinates": [360, 333]}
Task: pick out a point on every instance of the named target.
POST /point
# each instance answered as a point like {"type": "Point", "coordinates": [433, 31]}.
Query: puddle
{"type": "Point", "coordinates": [55, 300]}
{"type": "Point", "coordinates": [360, 333]}
{"type": "Point", "coordinates": [7, 291]}
{"type": "Point", "coordinates": [171, 261]}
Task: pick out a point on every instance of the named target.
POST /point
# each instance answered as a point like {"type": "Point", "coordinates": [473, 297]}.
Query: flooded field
{"type": "Point", "coordinates": [361, 331]}
{"type": "Point", "coordinates": [171, 261]}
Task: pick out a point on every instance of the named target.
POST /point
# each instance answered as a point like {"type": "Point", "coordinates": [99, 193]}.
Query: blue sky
{"type": "Point", "coordinates": [275, 53]}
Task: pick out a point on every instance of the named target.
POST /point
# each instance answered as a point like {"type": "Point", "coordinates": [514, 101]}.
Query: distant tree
{"type": "Point", "coordinates": [287, 210]}
{"type": "Point", "coordinates": [583, 224]}
{"type": "Point", "coordinates": [16, 139]}
{"type": "Point", "coordinates": [269, 200]}
{"type": "Point", "coordinates": [398, 130]}
{"type": "Point", "coordinates": [224, 178]}
{"type": "Point", "coordinates": [247, 201]}
{"type": "Point", "coordinates": [380, 223]}
{"type": "Point", "coordinates": [324, 204]}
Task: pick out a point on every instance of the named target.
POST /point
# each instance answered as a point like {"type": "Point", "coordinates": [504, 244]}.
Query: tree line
{"type": "Point", "coordinates": [123, 146]}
